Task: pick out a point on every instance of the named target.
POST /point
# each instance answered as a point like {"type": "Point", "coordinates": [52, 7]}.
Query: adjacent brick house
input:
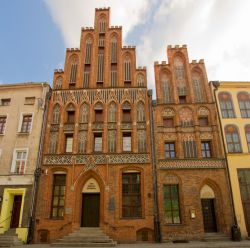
{"type": "Point", "coordinates": [97, 154]}
{"type": "Point", "coordinates": [193, 187]}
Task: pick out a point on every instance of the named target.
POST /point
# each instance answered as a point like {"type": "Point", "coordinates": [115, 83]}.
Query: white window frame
{"type": "Point", "coordinates": [7, 115]}
{"type": "Point", "coordinates": [21, 121]}
{"type": "Point", "coordinates": [14, 157]}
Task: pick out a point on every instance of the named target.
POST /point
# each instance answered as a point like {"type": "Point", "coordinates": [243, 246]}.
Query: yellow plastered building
{"type": "Point", "coordinates": [233, 101]}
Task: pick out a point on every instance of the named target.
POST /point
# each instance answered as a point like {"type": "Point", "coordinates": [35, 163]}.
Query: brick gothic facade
{"type": "Point", "coordinates": [97, 142]}
{"type": "Point", "coordinates": [193, 188]}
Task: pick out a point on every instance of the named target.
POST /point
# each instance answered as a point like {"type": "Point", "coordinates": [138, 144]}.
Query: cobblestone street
{"type": "Point", "coordinates": [227, 244]}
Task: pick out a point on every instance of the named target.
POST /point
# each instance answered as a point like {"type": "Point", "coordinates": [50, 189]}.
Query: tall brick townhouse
{"type": "Point", "coordinates": [22, 114]}
{"type": "Point", "coordinates": [193, 187]}
{"type": "Point", "coordinates": [96, 165]}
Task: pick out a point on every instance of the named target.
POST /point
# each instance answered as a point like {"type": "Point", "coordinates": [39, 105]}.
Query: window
{"type": "Point", "coordinates": [53, 141]}
{"type": "Point", "coordinates": [73, 69]}
{"type": "Point", "coordinates": [102, 26]}
{"type": "Point", "coordinates": [247, 131]}
{"type": "Point", "coordinates": [131, 195]}
{"type": "Point", "coordinates": [5, 102]}
{"type": "Point", "coordinates": [141, 141]}
{"type": "Point", "coordinates": [171, 204]}
{"type": "Point", "coordinates": [206, 149]}
{"type": "Point", "coordinates": [100, 66]}
{"type": "Point", "coordinates": [112, 141]}
{"type": "Point", "coordinates": [56, 114]}
{"type": "Point", "coordinates": [113, 75]}
{"type": "Point", "coordinates": [19, 161]}
{"type": "Point", "coordinates": [88, 51]}
{"type": "Point", "coordinates": [165, 86]}
{"type": "Point", "coordinates": [84, 113]}
{"type": "Point", "coordinates": [140, 112]}
{"type": "Point", "coordinates": [68, 143]}
{"type": "Point", "coordinates": [112, 112]}
{"type": "Point", "coordinates": [58, 85]}
{"type": "Point", "coordinates": [170, 150]}
{"type": "Point", "coordinates": [189, 148]}
{"type": "Point", "coordinates": [179, 68]}
{"type": "Point", "coordinates": [58, 198]}
{"type": "Point", "coordinates": [182, 99]}
{"type": "Point", "coordinates": [226, 105]}
{"type": "Point", "coordinates": [113, 50]}
{"type": "Point", "coordinates": [26, 123]}
{"type": "Point", "coordinates": [203, 121]}
{"type": "Point", "coordinates": [70, 113]}
{"type": "Point", "coordinates": [86, 76]}
{"type": "Point", "coordinates": [244, 104]}
{"type": "Point", "coordinates": [126, 142]}
{"type": "Point", "coordinates": [168, 122]}
{"type": "Point", "coordinates": [140, 80]}
{"type": "Point", "coordinates": [126, 112]}
{"type": "Point", "coordinates": [127, 71]}
{"type": "Point", "coordinates": [2, 124]}
{"type": "Point", "coordinates": [197, 85]}
{"type": "Point", "coordinates": [82, 141]}
{"type": "Point", "coordinates": [233, 139]}
{"type": "Point", "coordinates": [29, 100]}
{"type": "Point", "coordinates": [97, 142]}
{"type": "Point", "coordinates": [98, 112]}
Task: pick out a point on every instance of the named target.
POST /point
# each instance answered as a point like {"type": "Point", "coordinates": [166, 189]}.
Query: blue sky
{"type": "Point", "coordinates": [35, 33]}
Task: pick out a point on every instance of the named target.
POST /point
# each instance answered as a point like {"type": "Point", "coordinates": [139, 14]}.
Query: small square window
{"type": "Point", "coordinates": [168, 122]}
{"type": "Point", "coordinates": [170, 150]}
{"type": "Point", "coordinates": [127, 84]}
{"type": "Point", "coordinates": [206, 149]}
{"type": "Point", "coordinates": [5, 102]}
{"type": "Point", "coordinates": [182, 99]}
{"type": "Point", "coordinates": [29, 100]}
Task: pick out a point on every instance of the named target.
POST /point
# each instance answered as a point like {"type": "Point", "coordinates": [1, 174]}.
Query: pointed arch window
{"type": "Point", "coordinates": [112, 112]}
{"type": "Point", "coordinates": [88, 51]}
{"type": "Point", "coordinates": [247, 131]}
{"type": "Point", "coordinates": [165, 85]}
{"type": "Point", "coordinates": [59, 83]}
{"type": "Point", "coordinates": [197, 85]}
{"type": "Point", "coordinates": [84, 113]}
{"type": "Point", "coordinates": [127, 71]}
{"type": "Point", "coordinates": [140, 112]}
{"type": "Point", "coordinates": [70, 113]}
{"type": "Point", "coordinates": [56, 114]}
{"type": "Point", "coordinates": [226, 105]}
{"type": "Point", "coordinates": [73, 69]}
{"type": "Point", "coordinates": [244, 104]}
{"type": "Point", "coordinates": [113, 50]}
{"type": "Point", "coordinates": [179, 68]}
{"type": "Point", "coordinates": [140, 80]}
{"type": "Point", "coordinates": [102, 26]}
{"type": "Point", "coordinates": [233, 139]}
{"type": "Point", "coordinates": [126, 112]}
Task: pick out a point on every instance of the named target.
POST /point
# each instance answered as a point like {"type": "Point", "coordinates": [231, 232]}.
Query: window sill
{"type": "Point", "coordinates": [56, 218]}
{"type": "Point", "coordinates": [23, 133]}
{"type": "Point", "coordinates": [132, 218]}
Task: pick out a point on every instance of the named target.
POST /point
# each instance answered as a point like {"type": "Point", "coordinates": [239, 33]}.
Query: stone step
{"type": "Point", "coordinates": [209, 237]}
{"type": "Point", "coordinates": [112, 244]}
{"type": "Point", "coordinates": [104, 239]}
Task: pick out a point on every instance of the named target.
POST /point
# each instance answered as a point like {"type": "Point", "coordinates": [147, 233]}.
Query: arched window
{"type": "Point", "coordinates": [140, 112]}
{"type": "Point", "coordinates": [126, 112]}
{"type": "Point", "coordinates": [53, 141]}
{"type": "Point", "coordinates": [73, 69]}
{"type": "Point", "coordinates": [56, 114]}
{"type": "Point", "coordinates": [102, 25]}
{"type": "Point", "coordinates": [84, 113]}
{"type": "Point", "coordinates": [179, 68]}
{"type": "Point", "coordinates": [140, 80]}
{"type": "Point", "coordinates": [165, 86]}
{"type": "Point", "coordinates": [113, 50]}
{"type": "Point", "coordinates": [70, 113]}
{"type": "Point", "coordinates": [186, 117]}
{"type": "Point", "coordinates": [88, 51]}
{"type": "Point", "coordinates": [141, 141]}
{"type": "Point", "coordinates": [59, 83]}
{"type": "Point", "coordinates": [233, 139]}
{"type": "Point", "coordinates": [244, 104]}
{"type": "Point", "coordinates": [226, 105]}
{"type": "Point", "coordinates": [98, 112]}
{"type": "Point", "coordinates": [112, 112]}
{"type": "Point", "coordinates": [127, 71]}
{"type": "Point", "coordinates": [247, 131]}
{"type": "Point", "coordinates": [197, 85]}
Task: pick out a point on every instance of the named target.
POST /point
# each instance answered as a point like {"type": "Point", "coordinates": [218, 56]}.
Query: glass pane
{"type": "Point", "coordinates": [60, 212]}
{"type": "Point", "coordinates": [168, 217]}
{"type": "Point", "coordinates": [55, 200]}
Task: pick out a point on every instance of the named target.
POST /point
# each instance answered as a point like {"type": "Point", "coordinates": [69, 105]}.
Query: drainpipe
{"type": "Point", "coordinates": [38, 170]}
{"type": "Point", "coordinates": [155, 183]}
{"type": "Point", "coordinates": [216, 84]}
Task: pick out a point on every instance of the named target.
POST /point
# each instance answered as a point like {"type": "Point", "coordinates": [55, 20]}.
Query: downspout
{"type": "Point", "coordinates": [154, 168]}
{"type": "Point", "coordinates": [216, 85]}
{"type": "Point", "coordinates": [38, 170]}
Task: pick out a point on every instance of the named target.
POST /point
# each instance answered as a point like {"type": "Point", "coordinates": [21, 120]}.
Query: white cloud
{"type": "Point", "coordinates": [214, 30]}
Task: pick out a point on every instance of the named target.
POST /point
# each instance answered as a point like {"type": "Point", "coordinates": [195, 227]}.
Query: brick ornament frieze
{"type": "Point", "coordinates": [192, 164]}
{"type": "Point", "coordinates": [67, 159]}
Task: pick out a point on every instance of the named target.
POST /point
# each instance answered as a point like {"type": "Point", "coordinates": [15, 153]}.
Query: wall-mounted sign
{"type": "Point", "coordinates": [91, 186]}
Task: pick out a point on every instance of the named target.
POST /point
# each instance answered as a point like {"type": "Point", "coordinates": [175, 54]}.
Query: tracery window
{"type": "Point", "coordinates": [140, 112]}
{"type": "Point", "coordinates": [141, 140]}
{"type": "Point", "coordinates": [244, 104]}
{"type": "Point", "coordinates": [84, 113]}
{"type": "Point", "coordinates": [179, 68]}
{"type": "Point", "coordinates": [113, 50]}
{"type": "Point", "coordinates": [233, 139]}
{"type": "Point", "coordinates": [226, 105]}
{"type": "Point", "coordinates": [127, 71]}
{"type": "Point", "coordinates": [166, 91]}
{"type": "Point", "coordinates": [59, 83]}
{"type": "Point", "coordinates": [198, 89]}
{"type": "Point", "coordinates": [112, 112]}
{"type": "Point", "coordinates": [73, 69]}
{"type": "Point", "coordinates": [140, 80]}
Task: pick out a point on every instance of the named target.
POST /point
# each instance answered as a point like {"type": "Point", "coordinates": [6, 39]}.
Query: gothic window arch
{"type": "Point", "coordinates": [112, 140]}
{"type": "Point", "coordinates": [59, 83]}
{"type": "Point", "coordinates": [84, 113]}
{"type": "Point", "coordinates": [140, 80]}
{"type": "Point", "coordinates": [102, 25]}
{"type": "Point", "coordinates": [226, 105]}
{"type": "Point", "coordinates": [88, 49]}
{"type": "Point", "coordinates": [197, 86]}
{"type": "Point", "coordinates": [127, 71]}
{"type": "Point", "coordinates": [112, 112]}
{"type": "Point", "coordinates": [247, 132]}
{"type": "Point", "coordinates": [73, 69]}
{"type": "Point", "coordinates": [165, 86]}
{"type": "Point", "coordinates": [232, 139]}
{"type": "Point", "coordinates": [70, 109]}
{"type": "Point", "coordinates": [113, 50]}
{"type": "Point", "coordinates": [126, 112]}
{"type": "Point", "coordinates": [140, 112]}
{"type": "Point", "coordinates": [56, 114]}
{"type": "Point", "coordinates": [244, 104]}
{"type": "Point", "coordinates": [179, 67]}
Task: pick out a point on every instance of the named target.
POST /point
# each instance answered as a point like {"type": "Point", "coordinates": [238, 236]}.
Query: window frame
{"type": "Point", "coordinates": [14, 160]}
{"type": "Point", "coordinates": [3, 129]}
{"type": "Point", "coordinates": [245, 110]}
{"type": "Point", "coordinates": [206, 150]}
{"type": "Point", "coordinates": [224, 110]}
{"type": "Point", "coordinates": [126, 134]}
{"type": "Point", "coordinates": [97, 135]}
{"type": "Point", "coordinates": [169, 151]}
{"type": "Point", "coordinates": [232, 142]}
{"type": "Point", "coordinates": [69, 135]}
{"type": "Point", "coordinates": [21, 122]}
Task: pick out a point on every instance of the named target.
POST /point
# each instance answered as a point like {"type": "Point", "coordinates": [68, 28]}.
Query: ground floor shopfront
{"type": "Point", "coordinates": [118, 198]}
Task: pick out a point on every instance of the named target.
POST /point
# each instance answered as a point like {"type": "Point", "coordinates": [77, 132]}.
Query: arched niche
{"type": "Point", "coordinates": [207, 192]}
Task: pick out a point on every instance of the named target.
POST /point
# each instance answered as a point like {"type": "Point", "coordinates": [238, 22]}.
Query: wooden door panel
{"type": "Point", "coordinates": [16, 211]}
{"type": "Point", "coordinates": [208, 215]}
